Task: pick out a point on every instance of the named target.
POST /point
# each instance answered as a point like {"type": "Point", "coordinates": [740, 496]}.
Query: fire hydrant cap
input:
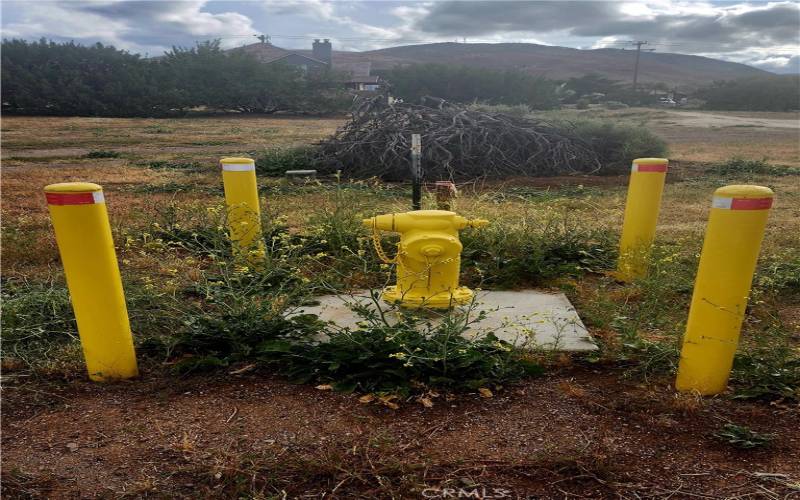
{"type": "Point", "coordinates": [478, 223]}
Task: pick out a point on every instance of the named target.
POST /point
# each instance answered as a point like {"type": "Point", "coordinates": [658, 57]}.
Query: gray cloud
{"type": "Point", "coordinates": [776, 24]}
{"type": "Point", "coordinates": [482, 18]}
{"type": "Point", "coordinates": [782, 64]}
{"type": "Point", "coordinates": [141, 26]}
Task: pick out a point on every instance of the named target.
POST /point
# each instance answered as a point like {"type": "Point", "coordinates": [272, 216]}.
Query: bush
{"type": "Point", "coordinates": [615, 105]}
{"type": "Point", "coordinates": [582, 103]}
{"type": "Point", "coordinates": [617, 143]}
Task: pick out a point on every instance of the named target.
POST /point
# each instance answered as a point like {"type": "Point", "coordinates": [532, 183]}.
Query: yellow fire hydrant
{"type": "Point", "coordinates": [428, 257]}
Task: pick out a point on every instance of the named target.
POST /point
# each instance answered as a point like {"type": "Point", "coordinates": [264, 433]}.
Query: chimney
{"type": "Point", "coordinates": [322, 51]}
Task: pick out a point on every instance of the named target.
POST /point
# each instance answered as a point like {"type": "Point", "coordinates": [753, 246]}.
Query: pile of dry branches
{"type": "Point", "coordinates": [457, 143]}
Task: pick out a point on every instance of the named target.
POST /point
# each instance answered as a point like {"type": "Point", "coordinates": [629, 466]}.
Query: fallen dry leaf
{"type": "Point", "coordinates": [485, 393]}
{"type": "Point", "coordinates": [324, 387]}
{"type": "Point", "coordinates": [366, 398]}
{"type": "Point", "coordinates": [388, 401]}
{"type": "Point", "coordinates": [242, 369]}
{"type": "Point", "coordinates": [426, 402]}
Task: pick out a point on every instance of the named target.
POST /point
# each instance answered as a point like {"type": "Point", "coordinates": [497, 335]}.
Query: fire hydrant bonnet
{"type": "Point", "coordinates": [428, 257]}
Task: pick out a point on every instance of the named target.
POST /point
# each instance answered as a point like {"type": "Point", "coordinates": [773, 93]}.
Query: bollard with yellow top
{"type": "Point", "coordinates": [727, 263]}
{"type": "Point", "coordinates": [83, 235]}
{"type": "Point", "coordinates": [641, 214]}
{"type": "Point", "coordinates": [428, 257]}
{"type": "Point", "coordinates": [243, 210]}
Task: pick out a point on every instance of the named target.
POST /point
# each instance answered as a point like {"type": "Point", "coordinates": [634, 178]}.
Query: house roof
{"type": "Point", "coordinates": [267, 53]}
{"type": "Point", "coordinates": [354, 69]}
{"type": "Point", "coordinates": [363, 79]}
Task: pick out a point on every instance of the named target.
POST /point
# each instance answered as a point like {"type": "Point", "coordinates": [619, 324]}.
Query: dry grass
{"type": "Point", "coordinates": [229, 436]}
{"type": "Point", "coordinates": [40, 151]}
{"type": "Point", "coordinates": [712, 143]}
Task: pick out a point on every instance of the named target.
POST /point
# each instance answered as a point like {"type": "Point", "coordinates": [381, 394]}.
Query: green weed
{"type": "Point", "coordinates": [177, 187]}
{"type": "Point", "coordinates": [157, 129]}
{"type": "Point", "coordinates": [37, 319]}
{"type": "Point", "coordinates": [174, 165]}
{"type": "Point", "coordinates": [535, 250]}
{"type": "Point", "coordinates": [102, 154]}
{"type": "Point", "coordinates": [742, 168]}
{"type": "Point", "coordinates": [275, 162]}
{"type": "Point", "coordinates": [740, 436]}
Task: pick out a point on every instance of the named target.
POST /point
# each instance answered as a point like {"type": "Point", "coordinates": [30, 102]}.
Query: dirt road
{"type": "Point", "coordinates": [705, 119]}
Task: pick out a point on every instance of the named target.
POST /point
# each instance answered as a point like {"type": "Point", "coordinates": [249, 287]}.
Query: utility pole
{"type": "Point", "coordinates": [638, 44]}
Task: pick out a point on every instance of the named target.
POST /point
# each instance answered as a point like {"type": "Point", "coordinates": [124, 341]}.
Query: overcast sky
{"type": "Point", "coordinates": [763, 34]}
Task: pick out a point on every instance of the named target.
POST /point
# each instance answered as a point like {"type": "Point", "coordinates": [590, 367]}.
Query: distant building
{"type": "Point", "coordinates": [356, 75]}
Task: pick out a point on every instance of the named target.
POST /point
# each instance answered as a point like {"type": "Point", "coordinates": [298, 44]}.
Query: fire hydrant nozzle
{"type": "Point", "coordinates": [428, 257]}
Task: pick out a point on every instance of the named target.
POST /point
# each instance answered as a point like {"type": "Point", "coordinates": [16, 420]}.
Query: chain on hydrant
{"type": "Point", "coordinates": [428, 257]}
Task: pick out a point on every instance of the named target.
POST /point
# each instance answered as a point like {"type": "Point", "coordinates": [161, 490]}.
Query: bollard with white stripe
{"type": "Point", "coordinates": [724, 276]}
{"type": "Point", "coordinates": [83, 235]}
{"type": "Point", "coordinates": [641, 214]}
{"type": "Point", "coordinates": [243, 210]}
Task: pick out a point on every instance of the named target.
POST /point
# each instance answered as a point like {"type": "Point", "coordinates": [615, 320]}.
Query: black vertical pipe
{"type": "Point", "coordinates": [416, 172]}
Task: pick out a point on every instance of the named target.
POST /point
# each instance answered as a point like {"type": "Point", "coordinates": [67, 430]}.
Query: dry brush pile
{"type": "Point", "coordinates": [457, 143]}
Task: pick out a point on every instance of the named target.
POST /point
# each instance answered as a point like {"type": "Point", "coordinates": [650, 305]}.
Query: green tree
{"type": "Point", "coordinates": [47, 78]}
{"type": "Point", "coordinates": [771, 93]}
{"type": "Point", "coordinates": [466, 84]}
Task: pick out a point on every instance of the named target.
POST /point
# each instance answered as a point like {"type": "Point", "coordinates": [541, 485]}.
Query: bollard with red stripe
{"type": "Point", "coordinates": [642, 206]}
{"type": "Point", "coordinates": [724, 276]}
{"type": "Point", "coordinates": [83, 234]}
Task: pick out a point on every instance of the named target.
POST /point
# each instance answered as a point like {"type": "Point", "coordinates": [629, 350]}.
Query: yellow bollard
{"type": "Point", "coordinates": [724, 275]}
{"type": "Point", "coordinates": [83, 234]}
{"type": "Point", "coordinates": [641, 214]}
{"type": "Point", "coordinates": [244, 213]}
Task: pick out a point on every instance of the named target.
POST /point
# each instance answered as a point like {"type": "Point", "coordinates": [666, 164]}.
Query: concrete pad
{"type": "Point", "coordinates": [528, 318]}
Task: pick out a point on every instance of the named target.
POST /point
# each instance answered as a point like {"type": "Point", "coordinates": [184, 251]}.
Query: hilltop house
{"type": "Point", "coordinates": [356, 75]}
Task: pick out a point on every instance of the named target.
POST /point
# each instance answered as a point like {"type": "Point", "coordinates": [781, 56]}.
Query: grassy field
{"type": "Point", "coordinates": [210, 418]}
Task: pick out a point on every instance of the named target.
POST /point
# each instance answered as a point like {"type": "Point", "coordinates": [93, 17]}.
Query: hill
{"type": "Point", "coordinates": [560, 62]}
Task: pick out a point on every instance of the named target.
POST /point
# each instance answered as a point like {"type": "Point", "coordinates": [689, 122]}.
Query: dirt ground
{"type": "Point", "coordinates": [581, 431]}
